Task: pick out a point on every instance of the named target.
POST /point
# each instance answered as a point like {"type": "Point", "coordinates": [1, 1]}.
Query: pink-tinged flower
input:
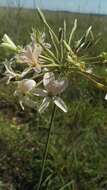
{"type": "Point", "coordinates": [52, 89]}
{"type": "Point", "coordinates": [24, 87]}
{"type": "Point", "coordinates": [30, 56]}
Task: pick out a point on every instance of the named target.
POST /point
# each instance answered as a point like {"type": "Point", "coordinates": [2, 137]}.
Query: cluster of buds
{"type": "Point", "coordinates": [42, 62]}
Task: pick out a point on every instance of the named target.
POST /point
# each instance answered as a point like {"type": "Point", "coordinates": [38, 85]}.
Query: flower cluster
{"type": "Point", "coordinates": [35, 67]}
{"type": "Point", "coordinates": [47, 87]}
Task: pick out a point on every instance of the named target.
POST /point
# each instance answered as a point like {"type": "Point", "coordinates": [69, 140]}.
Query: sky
{"type": "Point", "coordinates": [87, 6]}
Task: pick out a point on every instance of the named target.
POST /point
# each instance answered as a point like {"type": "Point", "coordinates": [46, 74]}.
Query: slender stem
{"type": "Point", "coordinates": [46, 148]}
{"type": "Point", "coordinates": [51, 65]}
{"type": "Point", "coordinates": [66, 185]}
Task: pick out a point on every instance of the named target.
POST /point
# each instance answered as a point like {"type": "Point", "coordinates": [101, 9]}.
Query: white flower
{"type": "Point", "coordinates": [8, 43]}
{"type": "Point", "coordinates": [10, 74]}
{"type": "Point", "coordinates": [52, 89]}
{"type": "Point", "coordinates": [23, 88]}
{"type": "Point", "coordinates": [30, 56]}
{"type": "Point", "coordinates": [89, 70]}
{"type": "Point", "coordinates": [25, 85]}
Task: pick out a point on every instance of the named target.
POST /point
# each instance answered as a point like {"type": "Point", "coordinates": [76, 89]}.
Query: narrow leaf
{"type": "Point", "coordinates": [73, 31]}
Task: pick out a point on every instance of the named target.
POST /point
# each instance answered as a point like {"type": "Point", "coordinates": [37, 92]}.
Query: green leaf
{"type": "Point", "coordinates": [50, 53]}
{"type": "Point", "coordinates": [73, 31]}
{"type": "Point", "coordinates": [53, 39]}
{"type": "Point", "coordinates": [47, 25]}
{"type": "Point", "coordinates": [68, 47]}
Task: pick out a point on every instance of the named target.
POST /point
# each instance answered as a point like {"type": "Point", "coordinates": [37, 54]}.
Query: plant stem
{"type": "Point", "coordinates": [46, 148]}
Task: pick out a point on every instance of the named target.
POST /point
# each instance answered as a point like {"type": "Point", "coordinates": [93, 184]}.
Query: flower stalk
{"type": "Point", "coordinates": [46, 147]}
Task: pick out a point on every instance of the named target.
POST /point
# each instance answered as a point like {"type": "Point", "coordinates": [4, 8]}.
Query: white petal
{"type": "Point", "coordinates": [17, 93]}
{"type": "Point", "coordinates": [56, 87]}
{"type": "Point", "coordinates": [37, 51]}
{"type": "Point", "coordinates": [37, 69]}
{"type": "Point", "coordinates": [60, 103]}
{"type": "Point", "coordinates": [89, 70]}
{"type": "Point", "coordinates": [26, 85]}
{"type": "Point", "coordinates": [26, 71]}
{"type": "Point", "coordinates": [28, 102]}
{"type": "Point", "coordinates": [9, 70]}
{"type": "Point", "coordinates": [9, 79]}
{"type": "Point", "coordinates": [28, 52]}
{"type": "Point", "coordinates": [40, 92]}
{"type": "Point", "coordinates": [59, 86]}
{"type": "Point", "coordinates": [44, 104]}
{"type": "Point", "coordinates": [22, 58]}
{"type": "Point", "coordinates": [21, 104]}
{"type": "Point", "coordinates": [48, 79]}
{"type": "Point", "coordinates": [45, 69]}
{"type": "Point", "coordinates": [43, 36]}
{"type": "Point", "coordinates": [105, 97]}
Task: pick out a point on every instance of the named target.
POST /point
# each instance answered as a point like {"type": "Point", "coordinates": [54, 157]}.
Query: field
{"type": "Point", "coordinates": [77, 158]}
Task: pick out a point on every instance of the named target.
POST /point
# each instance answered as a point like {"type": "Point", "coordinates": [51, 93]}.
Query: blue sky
{"type": "Point", "coordinates": [93, 6]}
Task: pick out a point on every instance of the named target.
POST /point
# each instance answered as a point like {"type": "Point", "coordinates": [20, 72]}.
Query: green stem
{"type": "Point", "coordinates": [46, 148]}
{"type": "Point", "coordinates": [51, 65]}
{"type": "Point", "coordinates": [66, 185]}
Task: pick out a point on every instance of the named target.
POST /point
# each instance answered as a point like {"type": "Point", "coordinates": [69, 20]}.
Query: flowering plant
{"type": "Point", "coordinates": [47, 68]}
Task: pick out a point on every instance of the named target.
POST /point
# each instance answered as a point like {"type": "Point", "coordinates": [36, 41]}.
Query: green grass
{"type": "Point", "coordinates": [77, 156]}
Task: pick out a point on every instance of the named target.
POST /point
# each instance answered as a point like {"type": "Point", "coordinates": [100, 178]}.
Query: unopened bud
{"type": "Point", "coordinates": [26, 85]}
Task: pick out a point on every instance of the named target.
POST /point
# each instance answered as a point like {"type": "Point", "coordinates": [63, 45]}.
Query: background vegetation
{"type": "Point", "coordinates": [77, 158]}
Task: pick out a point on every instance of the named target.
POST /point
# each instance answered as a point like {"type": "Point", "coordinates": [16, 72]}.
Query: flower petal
{"type": "Point", "coordinates": [26, 85]}
{"type": "Point", "coordinates": [22, 58]}
{"type": "Point", "coordinates": [26, 71]}
{"type": "Point", "coordinates": [105, 97]}
{"type": "Point", "coordinates": [17, 93]}
{"type": "Point", "coordinates": [21, 104]}
{"type": "Point", "coordinates": [48, 79]}
{"type": "Point", "coordinates": [40, 92]}
{"type": "Point", "coordinates": [60, 103]}
{"type": "Point", "coordinates": [89, 70]}
{"type": "Point", "coordinates": [59, 86]}
{"type": "Point", "coordinates": [37, 51]}
{"type": "Point", "coordinates": [28, 102]}
{"type": "Point", "coordinates": [28, 52]}
{"type": "Point", "coordinates": [56, 87]}
{"type": "Point", "coordinates": [37, 69]}
{"type": "Point", "coordinates": [44, 104]}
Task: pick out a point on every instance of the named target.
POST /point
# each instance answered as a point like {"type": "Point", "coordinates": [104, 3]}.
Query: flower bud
{"type": "Point", "coordinates": [26, 85]}
{"type": "Point", "coordinates": [8, 43]}
{"type": "Point", "coordinates": [99, 85]}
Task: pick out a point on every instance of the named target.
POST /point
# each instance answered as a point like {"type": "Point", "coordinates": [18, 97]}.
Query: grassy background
{"type": "Point", "coordinates": [77, 153]}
